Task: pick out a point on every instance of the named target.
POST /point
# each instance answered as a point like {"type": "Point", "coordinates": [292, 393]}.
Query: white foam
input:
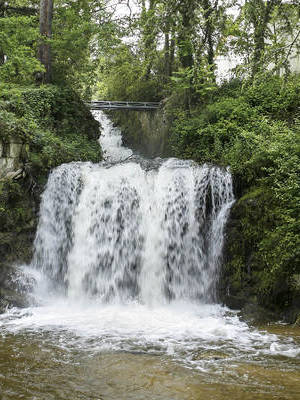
{"type": "Point", "coordinates": [178, 330]}
{"type": "Point", "coordinates": [111, 139]}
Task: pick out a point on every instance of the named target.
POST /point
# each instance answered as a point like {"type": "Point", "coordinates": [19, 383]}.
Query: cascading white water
{"type": "Point", "coordinates": [123, 233]}
{"type": "Point", "coordinates": [111, 140]}
{"type": "Point", "coordinates": [54, 234]}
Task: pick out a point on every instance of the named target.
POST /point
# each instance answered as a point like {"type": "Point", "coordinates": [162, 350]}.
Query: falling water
{"type": "Point", "coordinates": [119, 233]}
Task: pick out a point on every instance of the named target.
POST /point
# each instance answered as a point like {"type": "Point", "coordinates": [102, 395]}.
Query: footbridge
{"type": "Point", "coordinates": [122, 105]}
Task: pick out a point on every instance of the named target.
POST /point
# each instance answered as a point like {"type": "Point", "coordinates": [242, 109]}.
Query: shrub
{"type": "Point", "coordinates": [256, 132]}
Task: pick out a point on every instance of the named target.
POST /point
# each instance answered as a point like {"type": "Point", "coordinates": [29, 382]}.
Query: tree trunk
{"type": "Point", "coordinates": [209, 30]}
{"type": "Point", "coordinates": [46, 12]}
{"type": "Point", "coordinates": [167, 55]}
{"type": "Point", "coordinates": [172, 52]}
{"type": "Point", "coordinates": [185, 33]}
{"type": "Point", "coordinates": [260, 28]}
{"type": "Point", "coordinates": [149, 38]}
{"type": "Point", "coordinates": [1, 16]}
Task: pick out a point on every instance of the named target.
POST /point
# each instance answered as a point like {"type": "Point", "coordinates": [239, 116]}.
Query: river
{"type": "Point", "coordinates": [122, 291]}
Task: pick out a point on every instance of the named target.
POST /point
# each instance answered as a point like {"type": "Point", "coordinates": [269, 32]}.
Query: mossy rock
{"type": "Point", "coordinates": [146, 132]}
{"type": "Point", "coordinates": [14, 288]}
{"type": "Point", "coordinates": [247, 281]}
{"type": "Point", "coordinates": [55, 127]}
{"type": "Point", "coordinates": [297, 322]}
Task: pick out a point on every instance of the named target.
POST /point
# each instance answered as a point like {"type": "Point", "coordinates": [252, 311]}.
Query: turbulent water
{"type": "Point", "coordinates": [123, 233]}
{"type": "Point", "coordinates": [127, 255]}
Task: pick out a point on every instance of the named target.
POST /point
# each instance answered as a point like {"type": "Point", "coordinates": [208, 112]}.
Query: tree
{"type": "Point", "coordinates": [259, 14]}
{"type": "Point", "coordinates": [186, 12]}
{"type": "Point", "coordinates": [18, 42]}
{"type": "Point", "coordinates": [46, 13]}
{"type": "Point", "coordinates": [59, 44]}
{"type": "Point", "coordinates": [266, 35]}
{"type": "Point", "coordinates": [2, 13]}
{"type": "Point", "coordinates": [19, 8]}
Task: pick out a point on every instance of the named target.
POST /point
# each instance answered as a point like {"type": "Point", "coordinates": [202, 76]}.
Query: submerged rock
{"type": "Point", "coordinates": [14, 287]}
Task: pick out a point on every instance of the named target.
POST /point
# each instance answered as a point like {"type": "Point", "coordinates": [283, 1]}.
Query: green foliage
{"type": "Point", "coordinates": [56, 127]}
{"type": "Point", "coordinates": [81, 30]}
{"type": "Point", "coordinates": [15, 211]}
{"type": "Point", "coordinates": [16, 37]}
{"type": "Point", "coordinates": [124, 80]}
{"type": "Point", "coordinates": [73, 31]}
{"type": "Point", "coordinates": [275, 96]}
{"type": "Point", "coordinates": [52, 121]}
{"type": "Point", "coordinates": [194, 83]}
{"type": "Point", "coordinates": [256, 132]}
{"type": "Point", "coordinates": [265, 36]}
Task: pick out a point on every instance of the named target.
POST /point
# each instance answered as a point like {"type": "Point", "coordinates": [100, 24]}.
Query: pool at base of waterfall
{"type": "Point", "coordinates": [82, 350]}
{"type": "Point", "coordinates": [123, 295]}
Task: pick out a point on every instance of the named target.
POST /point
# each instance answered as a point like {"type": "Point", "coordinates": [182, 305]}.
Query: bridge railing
{"type": "Point", "coordinates": [128, 105]}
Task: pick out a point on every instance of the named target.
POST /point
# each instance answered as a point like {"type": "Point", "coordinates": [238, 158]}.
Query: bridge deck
{"type": "Point", "coordinates": [122, 105]}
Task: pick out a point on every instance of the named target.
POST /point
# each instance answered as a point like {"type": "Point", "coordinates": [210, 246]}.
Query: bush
{"type": "Point", "coordinates": [256, 132]}
{"type": "Point", "coordinates": [54, 123]}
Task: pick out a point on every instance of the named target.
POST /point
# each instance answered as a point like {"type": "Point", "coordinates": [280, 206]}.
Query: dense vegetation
{"type": "Point", "coordinates": [173, 51]}
{"type": "Point", "coordinates": [255, 129]}
{"type": "Point", "coordinates": [52, 121]}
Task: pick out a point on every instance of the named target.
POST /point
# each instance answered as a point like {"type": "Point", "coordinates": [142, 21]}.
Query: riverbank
{"type": "Point", "coordinates": [40, 128]}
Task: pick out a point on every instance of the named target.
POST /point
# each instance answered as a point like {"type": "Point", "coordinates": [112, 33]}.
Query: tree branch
{"type": "Point", "coordinates": [21, 10]}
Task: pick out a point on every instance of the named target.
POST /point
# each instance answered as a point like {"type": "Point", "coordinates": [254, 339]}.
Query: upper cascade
{"type": "Point", "coordinates": [120, 232]}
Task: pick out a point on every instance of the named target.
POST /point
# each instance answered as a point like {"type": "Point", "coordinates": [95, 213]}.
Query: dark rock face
{"type": "Point", "coordinates": [13, 288]}
{"type": "Point", "coordinates": [144, 131]}
{"type": "Point", "coordinates": [244, 277]}
{"type": "Point", "coordinates": [16, 243]}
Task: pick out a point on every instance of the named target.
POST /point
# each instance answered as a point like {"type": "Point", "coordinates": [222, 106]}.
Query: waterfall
{"type": "Point", "coordinates": [123, 232]}
{"type": "Point", "coordinates": [54, 235]}
{"type": "Point", "coordinates": [126, 259]}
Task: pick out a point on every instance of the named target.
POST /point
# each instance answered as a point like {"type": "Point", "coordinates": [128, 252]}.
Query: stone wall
{"type": "Point", "coordinates": [144, 131]}
{"type": "Point", "coordinates": [12, 156]}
